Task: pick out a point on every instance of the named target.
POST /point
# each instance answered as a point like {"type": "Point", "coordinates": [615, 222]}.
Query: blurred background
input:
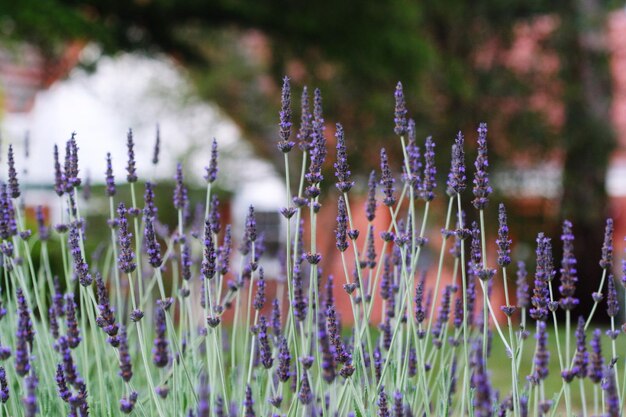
{"type": "Point", "coordinates": [549, 77]}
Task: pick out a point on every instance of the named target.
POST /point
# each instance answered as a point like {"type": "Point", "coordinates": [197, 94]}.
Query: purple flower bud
{"type": "Point", "coordinates": [160, 351]}
{"type": "Point", "coordinates": [44, 230]}
{"type": "Point", "coordinates": [612, 302]}
{"type": "Point", "coordinates": [522, 285]}
{"type": "Point", "coordinates": [259, 297]}
{"type": "Point", "coordinates": [607, 247]}
{"type": "Point", "coordinates": [285, 145]}
{"type": "Point", "coordinates": [211, 170]}
{"type": "Point", "coordinates": [581, 357]}
{"type": "Point", "coordinates": [430, 171]}
{"type": "Point", "coordinates": [341, 355]}
{"type": "Point", "coordinates": [14, 186]}
{"type": "Point", "coordinates": [541, 296]}
{"type": "Point", "coordinates": [342, 169]}
{"type": "Point", "coordinates": [208, 266]}
{"type": "Point", "coordinates": [73, 334]}
{"type": "Point", "coordinates": [456, 177]}
{"type": "Point", "coordinates": [542, 355]}
{"type": "Point", "coordinates": [248, 403]}
{"type": "Point", "coordinates": [284, 361]}
{"type": "Point", "coordinates": [568, 269]}
{"type": "Point", "coordinates": [59, 179]}
{"type": "Point", "coordinates": [251, 230]}
{"type": "Point", "coordinates": [106, 318]}
{"type": "Point", "coordinates": [131, 171]}
{"type": "Point", "coordinates": [136, 315]}
{"type": "Point", "coordinates": [30, 400]}
{"type": "Point", "coordinates": [126, 370]}
{"type": "Point", "coordinates": [306, 129]}
{"type": "Point", "coordinates": [341, 240]}
{"type": "Point", "coordinates": [153, 248]}
{"type": "Point", "coordinates": [224, 252]}
{"type": "Point", "coordinates": [503, 241]}
{"type": "Point", "coordinates": [386, 180]}
{"type": "Point", "coordinates": [383, 406]}
{"type": "Point", "coordinates": [4, 386]}
{"type": "Point", "coordinates": [596, 360]}
{"type": "Point", "coordinates": [128, 404]}
{"type": "Point", "coordinates": [611, 398]}
{"type": "Point", "coordinates": [24, 335]}
{"type": "Point", "coordinates": [126, 258]}
{"type": "Point", "coordinates": [482, 189]}
{"type": "Point", "coordinates": [180, 191]}
{"type": "Point", "coordinates": [299, 302]}
{"type": "Point", "coordinates": [400, 111]}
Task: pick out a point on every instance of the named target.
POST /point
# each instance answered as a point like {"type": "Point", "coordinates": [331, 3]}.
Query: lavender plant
{"type": "Point", "coordinates": [176, 323]}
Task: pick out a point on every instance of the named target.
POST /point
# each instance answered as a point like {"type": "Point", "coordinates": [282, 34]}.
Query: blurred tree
{"type": "Point", "coordinates": [451, 56]}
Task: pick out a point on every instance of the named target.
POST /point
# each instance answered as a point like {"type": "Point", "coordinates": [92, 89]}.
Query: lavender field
{"type": "Point", "coordinates": [179, 322]}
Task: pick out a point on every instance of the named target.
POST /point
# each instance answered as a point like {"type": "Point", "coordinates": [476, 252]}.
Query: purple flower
{"type": "Point", "coordinates": [126, 258]}
{"type": "Point", "coordinates": [149, 209]}
{"type": "Point", "coordinates": [224, 252]}
{"type": "Point", "coordinates": [59, 178]}
{"type": "Point", "coordinates": [400, 111]}
{"type": "Point", "coordinates": [341, 355]}
{"type": "Point", "coordinates": [607, 247]}
{"type": "Point", "coordinates": [413, 177]}
{"type": "Point", "coordinates": [160, 351]}
{"type": "Point", "coordinates": [456, 177]}
{"type": "Point", "coordinates": [581, 357]}
{"type": "Point", "coordinates": [73, 334]}
{"type": "Point", "coordinates": [611, 398]}
{"type": "Point", "coordinates": [259, 297]}
{"type": "Point", "coordinates": [383, 406]}
{"type": "Point", "coordinates": [110, 179]}
{"type": "Point", "coordinates": [341, 240]}
{"type": "Point", "coordinates": [612, 302]}
{"type": "Point", "coordinates": [430, 171]}
{"type": "Point", "coordinates": [44, 230]}
{"type": "Point", "coordinates": [248, 403]}
{"type": "Point", "coordinates": [14, 186]}
{"type": "Point", "coordinates": [211, 170]}
{"type": "Point", "coordinates": [596, 360]}
{"type": "Point", "coordinates": [30, 400]}
{"type": "Point", "coordinates": [386, 179]}
{"type": "Point", "coordinates": [285, 145]}
{"type": "Point", "coordinates": [4, 386]}
{"type": "Point", "coordinates": [542, 355]}
{"type": "Point", "coordinates": [299, 302]}
{"type": "Point", "coordinates": [443, 312]}
{"type": "Point", "coordinates": [128, 404]}
{"type": "Point", "coordinates": [208, 260]}
{"type": "Point", "coordinates": [304, 134]}
{"type": "Point", "coordinates": [482, 189]}
{"type": "Point", "coordinates": [71, 164]}
{"type": "Point", "coordinates": [180, 191]}
{"type": "Point", "coordinates": [541, 296]}
{"type": "Point", "coordinates": [265, 350]}
{"type": "Point", "coordinates": [480, 383]}
{"type": "Point", "coordinates": [131, 171]}
{"type": "Point", "coordinates": [106, 318]}
{"type": "Point", "coordinates": [503, 241]}
{"type": "Point", "coordinates": [568, 269]}
{"type": "Point", "coordinates": [153, 248]}
{"type": "Point", "coordinates": [370, 205]}
{"type": "Point", "coordinates": [24, 335]}
{"type": "Point", "coordinates": [126, 366]}
{"type": "Point", "coordinates": [342, 169]}
{"type": "Point", "coordinates": [185, 260]}
{"type": "Point", "coordinates": [284, 361]}
{"type": "Point", "coordinates": [214, 215]}
{"type": "Point", "coordinates": [317, 150]}
{"type": "Point", "coordinates": [157, 146]}
{"type": "Point", "coordinates": [522, 285]}
{"type": "Point", "coordinates": [80, 266]}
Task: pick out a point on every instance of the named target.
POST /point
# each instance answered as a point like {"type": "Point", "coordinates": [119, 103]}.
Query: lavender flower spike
{"type": "Point", "coordinates": [59, 179]}
{"type": "Point", "coordinates": [30, 400]}
{"type": "Point", "coordinates": [581, 357]}
{"type": "Point", "coordinates": [110, 179]}
{"type": "Point", "coordinates": [160, 352]}
{"type": "Point", "coordinates": [611, 398]}
{"type": "Point", "coordinates": [285, 145]}
{"type": "Point", "coordinates": [304, 134]}
{"type": "Point", "coordinates": [180, 191]}
{"type": "Point", "coordinates": [126, 258]}
{"type": "Point", "coordinates": [456, 177]}
{"type": "Point", "coordinates": [153, 248]}
{"type": "Point", "coordinates": [430, 171]}
{"type": "Point", "coordinates": [14, 186]}
{"type": "Point", "coordinates": [522, 285]}
{"type": "Point", "coordinates": [80, 266]}
{"type": "Point", "coordinates": [370, 205]}
{"type": "Point", "coordinates": [24, 335]}
{"type": "Point", "coordinates": [131, 170]}
{"type": "Point", "coordinates": [386, 179]}
{"type": "Point", "coordinates": [342, 169]}
{"type": "Point", "coordinates": [208, 262]}
{"type": "Point", "coordinates": [482, 189]}
{"type": "Point", "coordinates": [4, 387]}
{"type": "Point", "coordinates": [503, 241]}
{"type": "Point", "coordinates": [126, 370]}
{"type": "Point", "coordinates": [211, 170]}
{"type": "Point", "coordinates": [157, 146]}
{"type": "Point", "coordinates": [400, 111]}
{"type": "Point", "coordinates": [607, 246]}
{"type": "Point", "coordinates": [342, 225]}
{"type": "Point", "coordinates": [596, 360]}
{"type": "Point", "coordinates": [612, 302]}
{"type": "Point", "coordinates": [568, 269]}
